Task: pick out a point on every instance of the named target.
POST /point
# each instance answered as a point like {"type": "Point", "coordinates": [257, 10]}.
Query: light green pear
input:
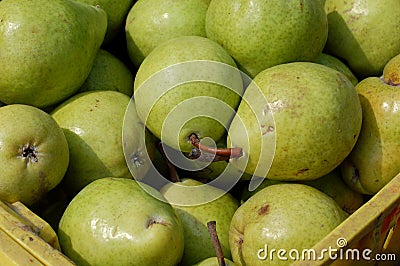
{"type": "Point", "coordinates": [259, 34]}
{"type": "Point", "coordinates": [281, 217]}
{"type": "Point", "coordinates": [331, 184]}
{"type": "Point", "coordinates": [196, 208]}
{"type": "Point", "coordinates": [116, 10]}
{"type": "Point", "coordinates": [115, 221]}
{"type": "Point", "coordinates": [108, 73]}
{"type": "Point", "coordinates": [296, 121]}
{"type": "Point", "coordinates": [95, 123]}
{"type": "Point", "coordinates": [34, 153]}
{"type": "Point", "coordinates": [335, 63]}
{"type": "Point", "coordinates": [151, 22]}
{"type": "Point", "coordinates": [363, 33]}
{"type": "Point", "coordinates": [187, 85]}
{"type": "Point", "coordinates": [374, 161]}
{"type": "Point", "coordinates": [48, 48]}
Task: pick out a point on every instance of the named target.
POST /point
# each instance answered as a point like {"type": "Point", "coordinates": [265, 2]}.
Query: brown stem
{"type": "Point", "coordinates": [220, 153]}
{"type": "Point", "coordinates": [173, 174]}
{"type": "Point", "coordinates": [212, 228]}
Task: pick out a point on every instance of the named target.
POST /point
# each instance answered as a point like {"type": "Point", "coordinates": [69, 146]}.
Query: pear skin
{"type": "Point", "coordinates": [194, 219]}
{"type": "Point", "coordinates": [57, 44]}
{"type": "Point", "coordinates": [195, 90]}
{"type": "Point", "coordinates": [374, 161]}
{"type": "Point", "coordinates": [304, 128]}
{"type": "Point", "coordinates": [363, 33]}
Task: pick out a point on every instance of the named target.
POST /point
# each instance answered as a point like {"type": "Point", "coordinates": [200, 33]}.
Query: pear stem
{"type": "Point", "coordinates": [221, 154]}
{"type": "Point", "coordinates": [212, 228]}
{"type": "Point", "coordinates": [173, 174]}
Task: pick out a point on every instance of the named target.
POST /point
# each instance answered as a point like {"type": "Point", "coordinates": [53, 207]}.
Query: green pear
{"type": "Point", "coordinates": [151, 22]}
{"type": "Point", "coordinates": [391, 71]}
{"type": "Point", "coordinates": [187, 85]}
{"type": "Point", "coordinates": [115, 221]}
{"type": "Point", "coordinates": [116, 10]}
{"type": "Point", "coordinates": [49, 48]}
{"type": "Point", "coordinates": [333, 185]}
{"type": "Point", "coordinates": [374, 161]}
{"type": "Point", "coordinates": [196, 208]}
{"type": "Point", "coordinates": [281, 216]}
{"type": "Point", "coordinates": [297, 121]}
{"type": "Point", "coordinates": [93, 124]}
{"type": "Point", "coordinates": [34, 153]}
{"type": "Point", "coordinates": [364, 33]}
{"type": "Point", "coordinates": [260, 34]}
{"type": "Point", "coordinates": [213, 261]}
{"type": "Point", "coordinates": [108, 73]}
{"type": "Point", "coordinates": [335, 63]}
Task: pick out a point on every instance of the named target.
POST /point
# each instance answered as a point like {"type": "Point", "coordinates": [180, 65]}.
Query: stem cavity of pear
{"type": "Point", "coordinates": [30, 152]}
{"type": "Point", "coordinates": [208, 154]}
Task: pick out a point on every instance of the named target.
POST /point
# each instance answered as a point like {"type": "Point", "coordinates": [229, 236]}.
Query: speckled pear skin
{"type": "Point", "coordinates": [93, 122]}
{"type": "Point", "coordinates": [282, 216]}
{"type": "Point", "coordinates": [198, 245]}
{"type": "Point", "coordinates": [57, 43]}
{"type": "Point", "coordinates": [260, 34]}
{"type": "Point", "coordinates": [151, 22]}
{"type": "Point", "coordinates": [335, 63]}
{"type": "Point", "coordinates": [391, 71]}
{"type": "Point", "coordinates": [374, 161]}
{"type": "Point", "coordinates": [108, 73]}
{"type": "Point", "coordinates": [317, 120]}
{"type": "Point", "coordinates": [364, 33]}
{"type": "Point", "coordinates": [27, 177]}
{"type": "Point", "coordinates": [114, 221]}
{"type": "Point", "coordinates": [198, 94]}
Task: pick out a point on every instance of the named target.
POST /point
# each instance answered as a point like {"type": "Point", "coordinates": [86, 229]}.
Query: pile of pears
{"type": "Point", "coordinates": [130, 126]}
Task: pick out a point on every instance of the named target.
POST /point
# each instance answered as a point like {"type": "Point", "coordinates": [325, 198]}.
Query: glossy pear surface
{"type": "Point", "coordinates": [115, 221]}
{"type": "Point", "coordinates": [48, 48]}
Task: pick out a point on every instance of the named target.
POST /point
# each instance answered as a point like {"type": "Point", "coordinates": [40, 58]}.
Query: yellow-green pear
{"type": "Point", "coordinates": [296, 121]}
{"type": "Point", "coordinates": [374, 161]}
{"type": "Point", "coordinates": [34, 153]}
{"type": "Point", "coordinates": [105, 138]}
{"type": "Point", "coordinates": [281, 217]}
{"type": "Point", "coordinates": [117, 221]}
{"type": "Point", "coordinates": [335, 63]}
{"type": "Point", "coordinates": [151, 22]}
{"type": "Point", "coordinates": [363, 33]}
{"type": "Point", "coordinates": [196, 208]}
{"type": "Point", "coordinates": [108, 73]}
{"type": "Point", "coordinates": [47, 49]}
{"type": "Point", "coordinates": [187, 85]}
{"type": "Point", "coordinates": [259, 34]}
